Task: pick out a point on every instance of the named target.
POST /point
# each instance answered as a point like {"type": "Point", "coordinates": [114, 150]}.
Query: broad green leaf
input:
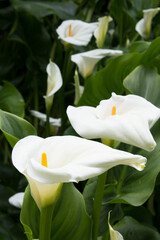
{"type": "Point", "coordinates": [109, 79]}
{"type": "Point", "coordinates": [39, 9]}
{"type": "Point", "coordinates": [11, 100]}
{"type": "Point", "coordinates": [145, 82]}
{"type": "Point", "coordinates": [145, 4]}
{"type": "Point", "coordinates": [34, 37]}
{"type": "Point", "coordinates": [70, 220]}
{"type": "Point", "coordinates": [139, 46]}
{"type": "Point", "coordinates": [126, 23]}
{"type": "Point", "coordinates": [30, 216]}
{"type": "Point", "coordinates": [132, 229]}
{"type": "Point", "coordinates": [152, 52]}
{"type": "Point", "coordinates": [14, 127]}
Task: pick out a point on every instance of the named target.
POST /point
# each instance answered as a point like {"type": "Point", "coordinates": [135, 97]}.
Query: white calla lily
{"type": "Point", "coordinates": [101, 30]}
{"type": "Point", "coordinates": [126, 119]}
{"type": "Point", "coordinates": [17, 199]}
{"type": "Point", "coordinates": [54, 83]}
{"type": "Point", "coordinates": [114, 235]}
{"type": "Point", "coordinates": [76, 32]}
{"type": "Point", "coordinates": [47, 163]}
{"type": "Point", "coordinates": [143, 27]}
{"type": "Point", "coordinates": [86, 61]}
{"type": "Point", "coordinates": [55, 122]}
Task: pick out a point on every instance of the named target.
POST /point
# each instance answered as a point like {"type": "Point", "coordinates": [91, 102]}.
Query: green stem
{"type": "Point", "coordinates": [46, 222]}
{"type": "Point", "coordinates": [47, 123]}
{"type": "Point", "coordinates": [121, 179]}
{"type": "Point", "coordinates": [97, 203]}
{"type": "Point", "coordinates": [53, 50]}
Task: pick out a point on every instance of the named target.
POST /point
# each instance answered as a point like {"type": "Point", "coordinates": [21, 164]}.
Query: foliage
{"type": "Point", "coordinates": [28, 41]}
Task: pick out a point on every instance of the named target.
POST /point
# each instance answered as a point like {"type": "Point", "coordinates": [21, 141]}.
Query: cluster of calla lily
{"type": "Point", "coordinates": [50, 162]}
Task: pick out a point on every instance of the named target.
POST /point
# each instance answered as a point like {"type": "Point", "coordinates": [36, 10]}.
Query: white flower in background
{"type": "Point", "coordinates": [78, 88]}
{"type": "Point", "coordinates": [101, 30]}
{"type": "Point", "coordinates": [17, 199]}
{"type": "Point", "coordinates": [87, 60]}
{"type": "Point", "coordinates": [126, 119]}
{"type": "Point", "coordinates": [47, 163]}
{"type": "Point", "coordinates": [114, 235]}
{"type": "Point", "coordinates": [76, 32]}
{"type": "Point", "coordinates": [54, 83]}
{"type": "Point", "coordinates": [56, 122]}
{"type": "Point", "coordinates": [143, 27]}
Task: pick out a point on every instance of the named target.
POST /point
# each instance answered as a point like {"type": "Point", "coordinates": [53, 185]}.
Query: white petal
{"type": "Point", "coordinates": [87, 60]}
{"type": "Point", "coordinates": [53, 121]}
{"type": "Point", "coordinates": [17, 199]}
{"type": "Point", "coordinates": [81, 32]}
{"type": "Point", "coordinates": [114, 235]}
{"type": "Point", "coordinates": [69, 158]}
{"type": "Point", "coordinates": [54, 81]}
{"type": "Point", "coordinates": [134, 117]}
{"type": "Point", "coordinates": [101, 30]}
{"type": "Point", "coordinates": [143, 27]}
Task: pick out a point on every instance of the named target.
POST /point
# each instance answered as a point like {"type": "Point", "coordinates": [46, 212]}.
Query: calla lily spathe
{"type": "Point", "coordinates": [67, 159]}
{"type": "Point", "coordinates": [54, 83]}
{"type": "Point", "coordinates": [76, 32]}
{"type": "Point", "coordinates": [55, 122]}
{"type": "Point", "coordinates": [114, 235]}
{"type": "Point", "coordinates": [143, 27]}
{"type": "Point", "coordinates": [126, 119]}
{"type": "Point", "coordinates": [17, 199]}
{"type": "Point", "coordinates": [101, 30]}
{"type": "Point", "coordinates": [87, 60]}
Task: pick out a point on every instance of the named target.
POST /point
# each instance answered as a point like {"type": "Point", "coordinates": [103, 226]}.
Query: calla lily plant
{"type": "Point", "coordinates": [143, 27]}
{"type": "Point", "coordinates": [114, 235]}
{"type": "Point", "coordinates": [54, 83]}
{"type": "Point", "coordinates": [55, 122]}
{"type": "Point", "coordinates": [76, 32]}
{"type": "Point", "coordinates": [126, 119]}
{"type": "Point", "coordinates": [86, 61]}
{"type": "Point", "coordinates": [101, 30]}
{"type": "Point", "coordinates": [46, 166]}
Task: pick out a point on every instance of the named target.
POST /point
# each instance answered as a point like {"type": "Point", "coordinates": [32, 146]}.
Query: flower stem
{"type": "Point", "coordinates": [47, 123]}
{"type": "Point", "coordinates": [97, 203]}
{"type": "Point", "coordinates": [121, 179]}
{"type": "Point", "coordinates": [46, 222]}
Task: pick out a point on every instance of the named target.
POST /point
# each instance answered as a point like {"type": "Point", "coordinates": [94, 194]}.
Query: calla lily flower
{"type": "Point", "coordinates": [76, 32]}
{"type": "Point", "coordinates": [114, 235]}
{"type": "Point", "coordinates": [87, 60]}
{"type": "Point", "coordinates": [126, 119]}
{"type": "Point", "coordinates": [54, 83]}
{"type": "Point", "coordinates": [55, 122]}
{"type": "Point", "coordinates": [17, 199]}
{"type": "Point", "coordinates": [101, 30]}
{"type": "Point", "coordinates": [143, 27]}
{"type": "Point", "coordinates": [47, 163]}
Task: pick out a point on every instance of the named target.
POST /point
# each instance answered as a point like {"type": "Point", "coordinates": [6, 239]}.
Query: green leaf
{"type": "Point", "coordinates": [145, 82]}
{"type": "Point", "coordinates": [132, 229]}
{"type": "Point", "coordinates": [11, 100]}
{"type": "Point", "coordinates": [109, 79]}
{"type": "Point", "coordinates": [34, 37]}
{"type": "Point", "coordinates": [126, 23]}
{"type": "Point", "coordinates": [139, 46]}
{"type": "Point", "coordinates": [152, 52]}
{"type": "Point", "coordinates": [14, 127]}
{"type": "Point", "coordinates": [70, 220]}
{"type": "Point", "coordinates": [145, 4]}
{"type": "Point", "coordinates": [39, 9]}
